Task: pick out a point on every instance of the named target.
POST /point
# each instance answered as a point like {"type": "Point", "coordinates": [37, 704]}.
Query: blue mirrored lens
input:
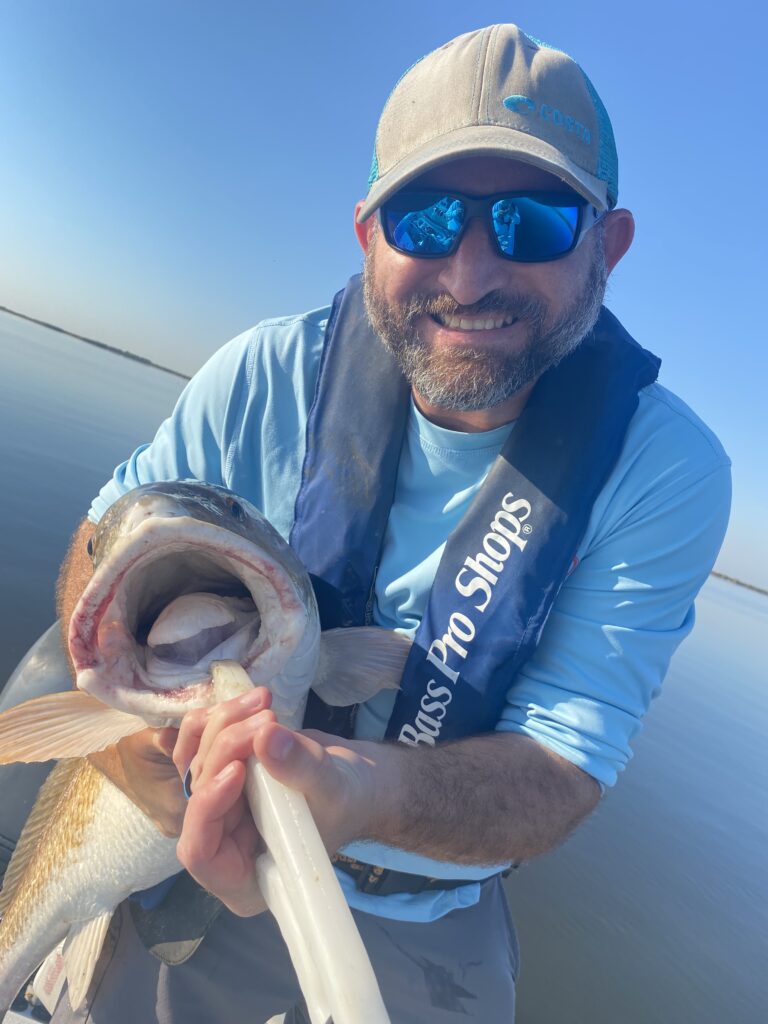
{"type": "Point", "coordinates": [529, 230]}
{"type": "Point", "coordinates": [430, 230]}
{"type": "Point", "coordinates": [526, 228]}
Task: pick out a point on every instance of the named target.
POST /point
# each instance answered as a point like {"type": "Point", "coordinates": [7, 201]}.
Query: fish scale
{"type": "Point", "coordinates": [92, 821]}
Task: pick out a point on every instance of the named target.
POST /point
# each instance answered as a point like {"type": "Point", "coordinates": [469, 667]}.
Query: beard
{"type": "Point", "coordinates": [466, 378]}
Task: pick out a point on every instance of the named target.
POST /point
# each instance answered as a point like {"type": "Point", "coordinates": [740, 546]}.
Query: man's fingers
{"type": "Point", "coordinates": [204, 823]}
{"type": "Point", "coordinates": [233, 742]}
{"type": "Point", "coordinates": [219, 841]}
{"type": "Point", "coordinates": [296, 759]}
{"type": "Point", "coordinates": [223, 715]}
{"type": "Point", "coordinates": [200, 727]}
{"type": "Point", "coordinates": [188, 739]}
{"type": "Point", "coordinates": [336, 780]}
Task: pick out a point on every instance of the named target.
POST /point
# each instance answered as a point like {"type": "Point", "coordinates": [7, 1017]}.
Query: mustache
{"type": "Point", "coordinates": [499, 303]}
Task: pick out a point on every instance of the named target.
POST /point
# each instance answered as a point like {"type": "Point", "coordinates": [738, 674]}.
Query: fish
{"type": "Point", "coordinates": [194, 598]}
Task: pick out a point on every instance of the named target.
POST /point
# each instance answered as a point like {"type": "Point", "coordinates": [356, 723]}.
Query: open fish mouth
{"type": "Point", "coordinates": [169, 597]}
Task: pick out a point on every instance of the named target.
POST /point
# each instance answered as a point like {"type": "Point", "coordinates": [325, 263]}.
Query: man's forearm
{"type": "Point", "coordinates": [483, 800]}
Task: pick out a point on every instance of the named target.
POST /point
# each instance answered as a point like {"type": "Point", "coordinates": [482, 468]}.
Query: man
{"type": "Point", "coordinates": [585, 506]}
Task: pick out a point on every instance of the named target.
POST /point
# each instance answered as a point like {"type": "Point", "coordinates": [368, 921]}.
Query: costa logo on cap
{"type": "Point", "coordinates": [520, 104]}
{"type": "Point", "coordinates": [524, 105]}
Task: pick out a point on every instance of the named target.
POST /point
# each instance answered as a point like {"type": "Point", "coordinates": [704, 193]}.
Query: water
{"type": "Point", "coordinates": [69, 412]}
{"type": "Point", "coordinates": [657, 909]}
{"type": "Point", "coordinates": [655, 912]}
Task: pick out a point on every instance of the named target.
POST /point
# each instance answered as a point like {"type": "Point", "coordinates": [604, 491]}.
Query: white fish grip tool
{"type": "Point", "coordinates": [300, 888]}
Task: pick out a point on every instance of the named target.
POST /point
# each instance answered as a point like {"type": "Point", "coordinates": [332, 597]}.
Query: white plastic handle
{"type": "Point", "coordinates": [300, 888]}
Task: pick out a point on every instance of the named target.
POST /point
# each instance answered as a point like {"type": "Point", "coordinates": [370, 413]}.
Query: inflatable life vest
{"type": "Point", "coordinates": [503, 565]}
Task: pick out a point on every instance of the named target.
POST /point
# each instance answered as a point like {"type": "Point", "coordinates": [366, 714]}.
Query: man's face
{"type": "Point", "coordinates": [439, 316]}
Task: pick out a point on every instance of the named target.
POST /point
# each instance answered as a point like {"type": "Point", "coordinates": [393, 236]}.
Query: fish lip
{"type": "Point", "coordinates": [127, 686]}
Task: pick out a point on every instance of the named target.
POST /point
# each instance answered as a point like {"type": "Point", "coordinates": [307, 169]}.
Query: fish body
{"type": "Point", "coordinates": [81, 821]}
{"type": "Point", "coordinates": [185, 575]}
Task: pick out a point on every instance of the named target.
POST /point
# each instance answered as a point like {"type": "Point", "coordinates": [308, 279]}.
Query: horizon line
{"type": "Point", "coordinates": [185, 376]}
{"type": "Point", "coordinates": [99, 344]}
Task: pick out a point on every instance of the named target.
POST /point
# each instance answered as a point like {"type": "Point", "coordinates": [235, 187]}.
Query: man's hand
{"type": "Point", "coordinates": [484, 800]}
{"type": "Point", "coordinates": [219, 841]}
{"type": "Point", "coordinates": [141, 766]}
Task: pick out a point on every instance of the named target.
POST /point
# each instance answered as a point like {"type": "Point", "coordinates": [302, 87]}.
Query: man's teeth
{"type": "Point", "coordinates": [463, 323]}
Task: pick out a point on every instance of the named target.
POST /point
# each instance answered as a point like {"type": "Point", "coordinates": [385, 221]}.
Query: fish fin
{"type": "Point", "coordinates": [81, 952]}
{"type": "Point", "coordinates": [49, 979]}
{"type": "Point", "coordinates": [51, 792]}
{"type": "Point", "coordinates": [356, 663]}
{"type": "Point", "coordinates": [69, 724]}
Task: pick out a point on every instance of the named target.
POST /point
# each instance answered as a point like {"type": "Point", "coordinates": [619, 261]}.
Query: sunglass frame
{"type": "Point", "coordinates": [587, 217]}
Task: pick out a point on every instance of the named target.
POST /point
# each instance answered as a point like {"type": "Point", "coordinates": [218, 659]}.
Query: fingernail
{"type": "Point", "coordinates": [225, 772]}
{"type": "Point", "coordinates": [280, 745]}
{"type": "Point", "coordinates": [252, 699]}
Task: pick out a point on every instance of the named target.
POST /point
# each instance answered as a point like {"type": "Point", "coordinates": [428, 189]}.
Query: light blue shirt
{"type": "Point", "coordinates": [652, 538]}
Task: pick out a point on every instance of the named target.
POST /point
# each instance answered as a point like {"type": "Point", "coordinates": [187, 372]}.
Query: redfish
{"type": "Point", "coordinates": [186, 576]}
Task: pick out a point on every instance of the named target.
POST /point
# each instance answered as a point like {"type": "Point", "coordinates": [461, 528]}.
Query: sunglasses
{"type": "Point", "coordinates": [528, 227]}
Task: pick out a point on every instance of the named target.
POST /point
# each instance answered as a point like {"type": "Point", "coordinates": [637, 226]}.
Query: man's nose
{"type": "Point", "coordinates": [476, 268]}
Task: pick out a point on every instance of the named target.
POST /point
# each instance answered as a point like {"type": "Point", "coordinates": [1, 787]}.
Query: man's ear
{"type": "Point", "coordinates": [619, 232]}
{"type": "Point", "coordinates": [365, 230]}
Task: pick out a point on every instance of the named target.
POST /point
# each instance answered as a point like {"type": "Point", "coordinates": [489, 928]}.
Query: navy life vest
{"type": "Point", "coordinates": [503, 565]}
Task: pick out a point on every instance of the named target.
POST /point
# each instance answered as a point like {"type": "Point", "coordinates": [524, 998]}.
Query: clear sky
{"type": "Point", "coordinates": [174, 170]}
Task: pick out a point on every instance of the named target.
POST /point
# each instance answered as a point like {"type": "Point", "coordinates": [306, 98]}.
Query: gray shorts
{"type": "Point", "coordinates": [463, 965]}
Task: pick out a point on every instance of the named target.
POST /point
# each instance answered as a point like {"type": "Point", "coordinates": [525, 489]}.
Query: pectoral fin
{"type": "Point", "coordinates": [81, 951]}
{"type": "Point", "coordinates": [70, 724]}
{"type": "Point", "coordinates": [356, 663]}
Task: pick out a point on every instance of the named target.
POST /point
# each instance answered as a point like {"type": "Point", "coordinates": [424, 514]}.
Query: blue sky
{"type": "Point", "coordinates": [175, 170]}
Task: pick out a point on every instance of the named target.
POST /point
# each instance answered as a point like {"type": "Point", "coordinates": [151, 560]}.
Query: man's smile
{"type": "Point", "coordinates": [473, 323]}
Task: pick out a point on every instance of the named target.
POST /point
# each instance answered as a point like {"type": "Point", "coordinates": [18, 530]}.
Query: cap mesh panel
{"type": "Point", "coordinates": [607, 161]}
{"type": "Point", "coordinates": [374, 172]}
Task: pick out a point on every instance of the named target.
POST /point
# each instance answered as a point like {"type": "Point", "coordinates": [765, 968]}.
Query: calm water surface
{"type": "Point", "coordinates": [69, 412]}
{"type": "Point", "coordinates": [656, 912]}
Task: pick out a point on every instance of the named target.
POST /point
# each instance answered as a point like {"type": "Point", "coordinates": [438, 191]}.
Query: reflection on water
{"type": "Point", "coordinates": [655, 911]}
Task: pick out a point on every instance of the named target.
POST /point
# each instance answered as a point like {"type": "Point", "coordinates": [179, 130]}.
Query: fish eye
{"type": "Point", "coordinates": [237, 510]}
{"type": "Point", "coordinates": [89, 547]}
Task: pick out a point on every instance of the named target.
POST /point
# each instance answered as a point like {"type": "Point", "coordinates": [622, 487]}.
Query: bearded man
{"type": "Point", "coordinates": [468, 448]}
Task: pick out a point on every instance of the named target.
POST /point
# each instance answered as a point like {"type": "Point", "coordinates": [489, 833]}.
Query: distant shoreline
{"type": "Point", "coordinates": [98, 344]}
{"type": "Point", "coordinates": [185, 376]}
{"type": "Point", "coordinates": [740, 583]}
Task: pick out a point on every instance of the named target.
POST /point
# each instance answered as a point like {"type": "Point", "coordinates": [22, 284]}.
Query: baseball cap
{"type": "Point", "coordinates": [495, 92]}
